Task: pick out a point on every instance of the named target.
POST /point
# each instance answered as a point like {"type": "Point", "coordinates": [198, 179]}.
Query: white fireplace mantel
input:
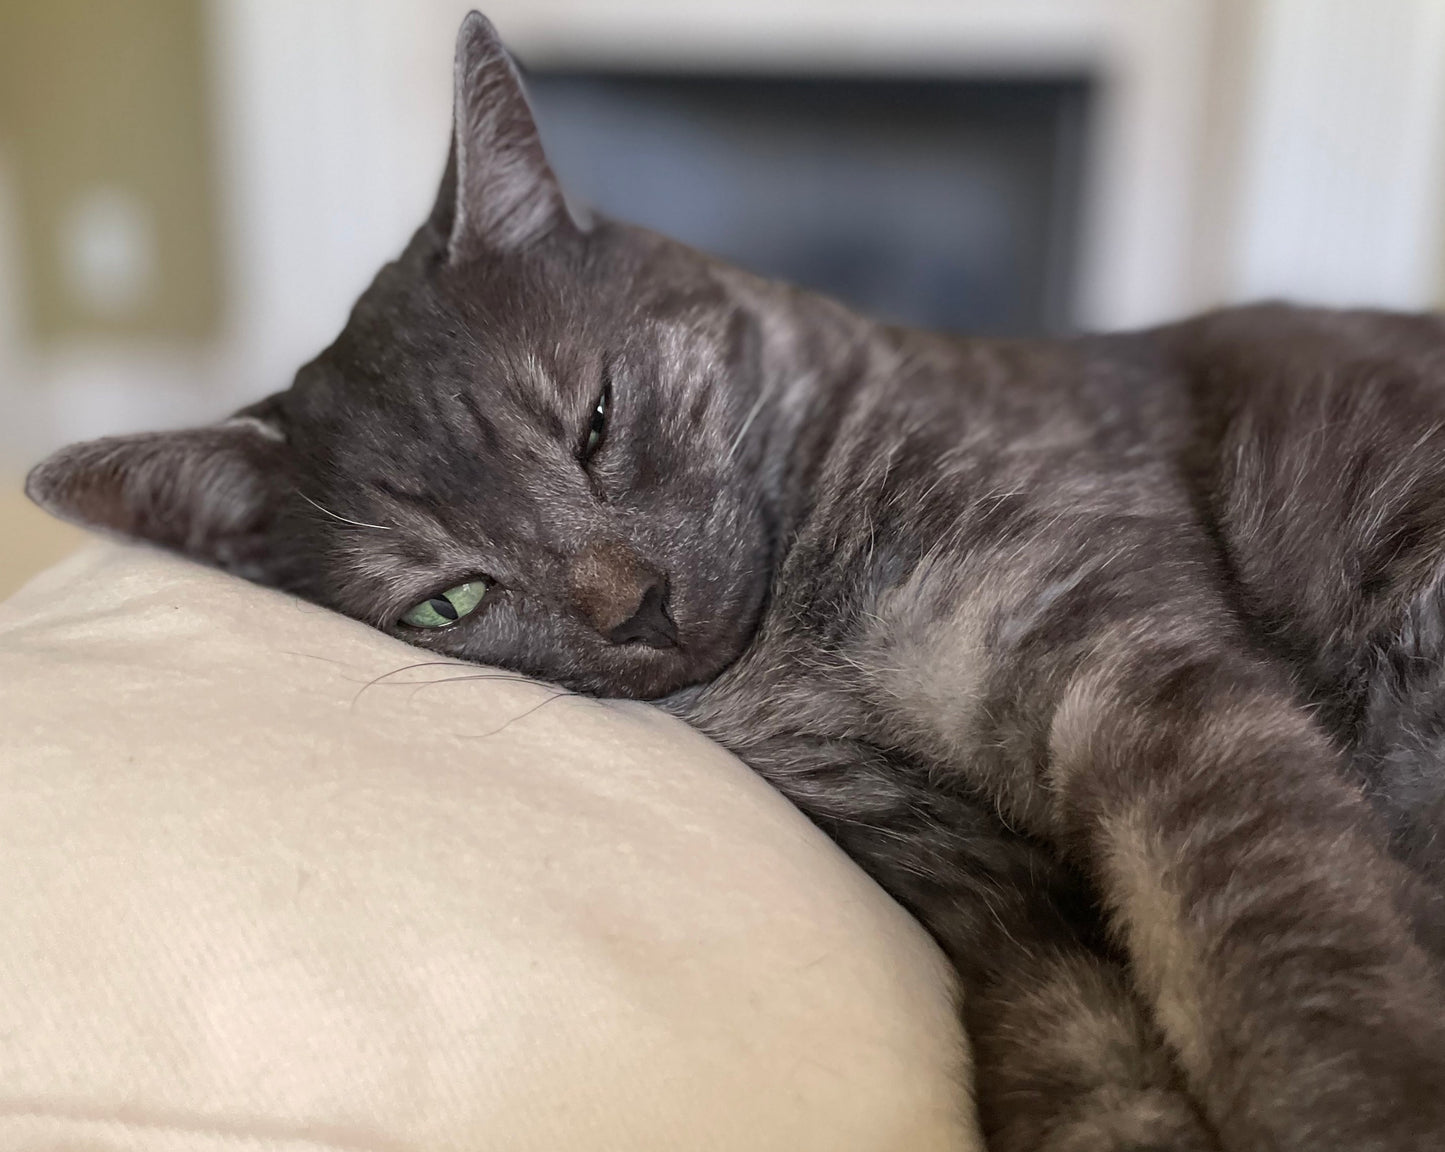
{"type": "Point", "coordinates": [1149, 59]}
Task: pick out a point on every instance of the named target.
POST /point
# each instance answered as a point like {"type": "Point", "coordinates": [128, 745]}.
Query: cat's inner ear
{"type": "Point", "coordinates": [499, 193]}
{"type": "Point", "coordinates": [212, 493]}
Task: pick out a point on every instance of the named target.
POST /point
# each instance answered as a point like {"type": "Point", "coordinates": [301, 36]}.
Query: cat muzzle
{"type": "Point", "coordinates": [622, 597]}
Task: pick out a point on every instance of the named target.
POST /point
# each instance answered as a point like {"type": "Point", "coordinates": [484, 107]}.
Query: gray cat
{"type": "Point", "coordinates": [1093, 652]}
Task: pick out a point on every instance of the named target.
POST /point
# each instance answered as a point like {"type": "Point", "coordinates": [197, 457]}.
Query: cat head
{"type": "Point", "coordinates": [534, 444]}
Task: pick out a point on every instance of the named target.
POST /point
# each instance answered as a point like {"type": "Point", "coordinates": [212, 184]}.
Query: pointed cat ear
{"type": "Point", "coordinates": [499, 193]}
{"type": "Point", "coordinates": [211, 493]}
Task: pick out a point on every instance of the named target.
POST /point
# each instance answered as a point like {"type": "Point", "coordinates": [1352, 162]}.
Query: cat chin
{"type": "Point", "coordinates": [648, 675]}
{"type": "Point", "coordinates": [638, 672]}
{"type": "Point", "coordinates": [709, 639]}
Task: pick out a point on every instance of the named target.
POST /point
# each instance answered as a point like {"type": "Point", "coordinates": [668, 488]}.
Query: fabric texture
{"type": "Point", "coordinates": [272, 880]}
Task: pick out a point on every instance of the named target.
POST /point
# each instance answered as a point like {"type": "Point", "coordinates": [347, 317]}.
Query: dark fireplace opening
{"type": "Point", "coordinates": [949, 203]}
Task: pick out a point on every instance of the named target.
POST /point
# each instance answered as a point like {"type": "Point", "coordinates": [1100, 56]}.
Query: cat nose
{"type": "Point", "coordinates": [621, 597]}
{"type": "Point", "coordinates": [650, 624]}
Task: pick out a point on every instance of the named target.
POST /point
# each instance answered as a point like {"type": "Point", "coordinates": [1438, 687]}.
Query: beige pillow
{"type": "Point", "coordinates": [265, 887]}
{"type": "Point", "coordinates": [29, 539]}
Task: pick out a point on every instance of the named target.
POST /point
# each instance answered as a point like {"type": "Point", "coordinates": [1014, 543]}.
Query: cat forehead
{"type": "Point", "coordinates": [501, 356]}
{"type": "Point", "coordinates": [525, 368]}
{"type": "Point", "coordinates": [447, 436]}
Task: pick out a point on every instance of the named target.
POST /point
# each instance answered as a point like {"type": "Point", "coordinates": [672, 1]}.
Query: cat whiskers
{"type": "Point", "coordinates": [339, 517]}
{"type": "Point", "coordinates": [384, 680]}
{"type": "Point", "coordinates": [417, 685]}
{"type": "Point", "coordinates": [558, 694]}
{"type": "Point", "coordinates": [747, 423]}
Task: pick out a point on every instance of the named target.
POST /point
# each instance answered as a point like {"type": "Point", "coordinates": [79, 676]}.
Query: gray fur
{"type": "Point", "coordinates": [1076, 646]}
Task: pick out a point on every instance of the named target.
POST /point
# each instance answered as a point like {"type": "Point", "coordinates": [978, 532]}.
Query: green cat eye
{"type": "Point", "coordinates": [447, 607]}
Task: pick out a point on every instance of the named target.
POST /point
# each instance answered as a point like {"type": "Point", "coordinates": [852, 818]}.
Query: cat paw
{"type": "Point", "coordinates": [1115, 1120]}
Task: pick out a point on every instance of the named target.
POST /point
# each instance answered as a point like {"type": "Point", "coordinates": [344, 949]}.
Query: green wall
{"type": "Point", "coordinates": [106, 102]}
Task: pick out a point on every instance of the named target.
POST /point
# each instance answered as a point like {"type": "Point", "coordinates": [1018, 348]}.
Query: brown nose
{"type": "Point", "coordinates": [624, 599]}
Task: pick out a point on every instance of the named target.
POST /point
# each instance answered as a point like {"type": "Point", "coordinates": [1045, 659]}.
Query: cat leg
{"type": "Point", "coordinates": [1262, 920]}
{"type": "Point", "coordinates": [1398, 757]}
{"type": "Point", "coordinates": [1066, 1060]}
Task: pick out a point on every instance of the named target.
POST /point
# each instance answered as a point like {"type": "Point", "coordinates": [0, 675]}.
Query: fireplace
{"type": "Point", "coordinates": [949, 203]}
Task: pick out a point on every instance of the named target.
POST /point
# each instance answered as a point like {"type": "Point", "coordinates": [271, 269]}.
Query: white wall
{"type": "Point", "coordinates": [1315, 172]}
{"type": "Point", "coordinates": [1339, 197]}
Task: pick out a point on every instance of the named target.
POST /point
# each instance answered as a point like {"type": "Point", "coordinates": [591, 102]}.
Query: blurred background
{"type": "Point", "coordinates": [192, 192]}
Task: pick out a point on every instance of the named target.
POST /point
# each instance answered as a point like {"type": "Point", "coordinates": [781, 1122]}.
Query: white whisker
{"type": "Point", "coordinates": [747, 423]}
{"type": "Point", "coordinates": [343, 519]}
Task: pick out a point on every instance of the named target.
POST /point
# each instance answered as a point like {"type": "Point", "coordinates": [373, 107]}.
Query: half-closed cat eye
{"type": "Point", "coordinates": [597, 426]}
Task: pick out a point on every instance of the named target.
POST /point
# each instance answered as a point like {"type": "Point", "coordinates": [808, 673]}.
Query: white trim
{"type": "Point", "coordinates": [1340, 192]}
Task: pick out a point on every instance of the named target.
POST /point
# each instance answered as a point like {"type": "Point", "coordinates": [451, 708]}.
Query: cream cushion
{"type": "Point", "coordinates": [265, 887]}
{"type": "Point", "coordinates": [29, 539]}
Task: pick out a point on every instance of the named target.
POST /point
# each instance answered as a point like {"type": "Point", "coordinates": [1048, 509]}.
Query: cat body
{"type": "Point", "coordinates": [1183, 547]}
{"type": "Point", "coordinates": [1094, 652]}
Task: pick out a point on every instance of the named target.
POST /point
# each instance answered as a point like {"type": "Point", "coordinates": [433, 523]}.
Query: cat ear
{"type": "Point", "coordinates": [499, 193]}
{"type": "Point", "coordinates": [211, 493]}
